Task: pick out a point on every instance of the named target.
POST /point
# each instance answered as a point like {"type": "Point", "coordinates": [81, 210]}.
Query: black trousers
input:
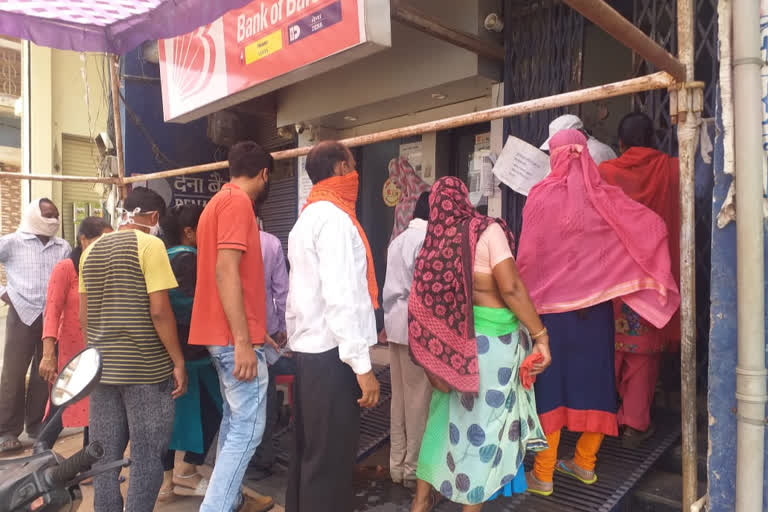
{"type": "Point", "coordinates": [21, 403]}
{"type": "Point", "coordinates": [327, 420]}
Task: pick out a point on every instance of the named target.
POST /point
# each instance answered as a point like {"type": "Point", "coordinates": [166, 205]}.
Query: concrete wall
{"type": "Point", "coordinates": [415, 62]}
{"type": "Point", "coordinates": [80, 104]}
{"type": "Point", "coordinates": [57, 106]}
{"type": "Point", "coordinates": [40, 112]}
{"type": "Point", "coordinates": [723, 350]}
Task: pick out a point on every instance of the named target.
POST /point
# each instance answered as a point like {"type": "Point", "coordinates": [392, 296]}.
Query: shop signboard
{"type": "Point", "coordinates": [266, 45]}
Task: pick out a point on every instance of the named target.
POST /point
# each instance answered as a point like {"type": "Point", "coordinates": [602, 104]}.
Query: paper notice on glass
{"type": "Point", "coordinates": [520, 165]}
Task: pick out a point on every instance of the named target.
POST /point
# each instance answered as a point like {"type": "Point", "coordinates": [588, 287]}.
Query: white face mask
{"type": "Point", "coordinates": [127, 217]}
{"type": "Point", "coordinates": [34, 222]}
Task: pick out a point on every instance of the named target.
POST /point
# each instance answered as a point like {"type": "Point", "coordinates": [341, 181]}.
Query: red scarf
{"type": "Point", "coordinates": [342, 192]}
{"type": "Point", "coordinates": [652, 178]}
{"type": "Point", "coordinates": [441, 327]}
{"type": "Point", "coordinates": [585, 242]}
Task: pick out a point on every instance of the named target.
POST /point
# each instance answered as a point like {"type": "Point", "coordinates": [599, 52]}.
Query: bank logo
{"type": "Point", "coordinates": [195, 68]}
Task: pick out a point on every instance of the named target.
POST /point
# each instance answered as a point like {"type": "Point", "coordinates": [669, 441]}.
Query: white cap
{"type": "Point", "coordinates": [565, 122]}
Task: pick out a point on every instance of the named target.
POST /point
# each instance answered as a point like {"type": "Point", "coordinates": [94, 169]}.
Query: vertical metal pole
{"type": "Point", "coordinates": [750, 270]}
{"type": "Point", "coordinates": [686, 134]}
{"type": "Point", "coordinates": [114, 74]}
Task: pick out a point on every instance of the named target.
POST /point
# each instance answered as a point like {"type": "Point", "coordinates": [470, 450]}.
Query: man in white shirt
{"type": "Point", "coordinates": [411, 390]}
{"type": "Point", "coordinates": [599, 151]}
{"type": "Point", "coordinates": [28, 256]}
{"type": "Point", "coordinates": [331, 325]}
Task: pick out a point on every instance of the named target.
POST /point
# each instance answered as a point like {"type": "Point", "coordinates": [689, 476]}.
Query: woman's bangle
{"type": "Point", "coordinates": [541, 333]}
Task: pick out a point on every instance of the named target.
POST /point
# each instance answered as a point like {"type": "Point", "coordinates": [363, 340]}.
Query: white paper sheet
{"type": "Point", "coordinates": [520, 165]}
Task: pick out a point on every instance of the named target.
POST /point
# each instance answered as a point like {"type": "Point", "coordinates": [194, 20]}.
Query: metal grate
{"type": "Point", "coordinates": [374, 424]}
{"type": "Point", "coordinates": [658, 19]}
{"type": "Point", "coordinates": [544, 51]}
{"type": "Point", "coordinates": [618, 470]}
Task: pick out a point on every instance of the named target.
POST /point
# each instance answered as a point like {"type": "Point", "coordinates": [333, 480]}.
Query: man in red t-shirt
{"type": "Point", "coordinates": [229, 317]}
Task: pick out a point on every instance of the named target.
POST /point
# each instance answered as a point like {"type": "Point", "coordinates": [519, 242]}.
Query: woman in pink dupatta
{"type": "Point", "coordinates": [584, 243]}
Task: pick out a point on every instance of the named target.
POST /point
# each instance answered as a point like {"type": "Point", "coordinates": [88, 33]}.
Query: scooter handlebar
{"type": "Point", "coordinates": [81, 461]}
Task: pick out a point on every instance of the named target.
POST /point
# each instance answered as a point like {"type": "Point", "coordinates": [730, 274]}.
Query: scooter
{"type": "Point", "coordinates": [44, 481]}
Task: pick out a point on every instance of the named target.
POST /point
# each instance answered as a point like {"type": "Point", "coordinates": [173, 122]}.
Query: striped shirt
{"type": "Point", "coordinates": [28, 265]}
{"type": "Point", "coordinates": [118, 272]}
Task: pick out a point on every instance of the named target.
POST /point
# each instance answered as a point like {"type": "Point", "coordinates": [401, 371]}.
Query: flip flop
{"type": "Point", "coordinates": [563, 468]}
{"type": "Point", "coordinates": [537, 487]}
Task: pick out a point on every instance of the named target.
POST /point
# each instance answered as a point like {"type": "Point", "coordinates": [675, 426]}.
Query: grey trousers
{"type": "Point", "coordinates": [20, 403]}
{"type": "Point", "coordinates": [142, 414]}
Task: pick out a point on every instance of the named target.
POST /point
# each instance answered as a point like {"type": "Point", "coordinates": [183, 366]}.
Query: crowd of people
{"type": "Point", "coordinates": [194, 313]}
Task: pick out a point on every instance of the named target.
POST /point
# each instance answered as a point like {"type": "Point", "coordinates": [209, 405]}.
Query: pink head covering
{"type": "Point", "coordinates": [585, 242]}
{"type": "Point", "coordinates": [411, 186]}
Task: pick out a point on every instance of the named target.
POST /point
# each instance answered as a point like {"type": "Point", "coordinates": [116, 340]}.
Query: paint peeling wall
{"type": "Point", "coordinates": [723, 347]}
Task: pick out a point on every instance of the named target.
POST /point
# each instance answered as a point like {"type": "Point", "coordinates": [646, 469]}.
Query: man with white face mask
{"type": "Point", "coordinates": [126, 312]}
{"type": "Point", "coordinates": [28, 256]}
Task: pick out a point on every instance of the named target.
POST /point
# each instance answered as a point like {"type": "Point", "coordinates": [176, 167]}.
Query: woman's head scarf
{"type": "Point", "coordinates": [585, 242]}
{"type": "Point", "coordinates": [411, 187]}
{"type": "Point", "coordinates": [440, 320]}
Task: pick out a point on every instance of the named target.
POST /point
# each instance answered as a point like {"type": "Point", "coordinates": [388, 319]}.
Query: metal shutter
{"type": "Point", "coordinates": [279, 212]}
{"type": "Point", "coordinates": [80, 157]}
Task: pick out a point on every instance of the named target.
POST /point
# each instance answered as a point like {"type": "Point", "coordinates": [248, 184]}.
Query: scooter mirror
{"type": "Point", "coordinates": [77, 378]}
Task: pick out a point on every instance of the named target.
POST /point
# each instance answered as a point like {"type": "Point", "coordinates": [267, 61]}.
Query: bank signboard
{"type": "Point", "coordinates": [264, 46]}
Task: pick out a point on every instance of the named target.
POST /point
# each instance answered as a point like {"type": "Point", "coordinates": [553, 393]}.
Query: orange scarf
{"type": "Point", "coordinates": [342, 192]}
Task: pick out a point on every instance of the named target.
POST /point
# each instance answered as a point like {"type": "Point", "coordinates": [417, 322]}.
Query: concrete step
{"type": "Point", "coordinates": [657, 491]}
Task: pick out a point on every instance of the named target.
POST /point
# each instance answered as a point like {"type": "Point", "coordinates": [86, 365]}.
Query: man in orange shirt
{"type": "Point", "coordinates": [229, 317]}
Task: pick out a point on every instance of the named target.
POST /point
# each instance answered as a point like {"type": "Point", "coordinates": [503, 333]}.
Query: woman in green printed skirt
{"type": "Point", "coordinates": [466, 306]}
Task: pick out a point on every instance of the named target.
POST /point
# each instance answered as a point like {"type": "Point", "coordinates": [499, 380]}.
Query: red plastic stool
{"type": "Point", "coordinates": [286, 380]}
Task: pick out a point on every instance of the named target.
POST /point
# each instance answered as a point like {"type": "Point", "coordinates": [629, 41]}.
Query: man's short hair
{"type": "Point", "coordinates": [636, 130]}
{"type": "Point", "coordinates": [248, 159]}
{"type": "Point", "coordinates": [323, 158]}
{"type": "Point", "coordinates": [421, 211]}
{"type": "Point", "coordinates": [145, 200]}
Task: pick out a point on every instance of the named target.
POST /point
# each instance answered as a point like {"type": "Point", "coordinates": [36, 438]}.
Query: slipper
{"type": "Point", "coordinates": [538, 487]}
{"type": "Point", "coordinates": [10, 445]}
{"type": "Point", "coordinates": [582, 475]}
{"type": "Point", "coordinates": [191, 481]}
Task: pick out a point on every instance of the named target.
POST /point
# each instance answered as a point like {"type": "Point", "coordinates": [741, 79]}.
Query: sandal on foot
{"type": "Point", "coordinates": [538, 487]}
{"type": "Point", "coordinates": [571, 469]}
{"type": "Point", "coordinates": [190, 481]}
{"type": "Point", "coordinates": [166, 495]}
{"type": "Point", "coordinates": [199, 491]}
{"type": "Point", "coordinates": [633, 438]}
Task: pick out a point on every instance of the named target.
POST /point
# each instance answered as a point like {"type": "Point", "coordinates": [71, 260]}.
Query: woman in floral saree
{"type": "Point", "coordinates": [465, 309]}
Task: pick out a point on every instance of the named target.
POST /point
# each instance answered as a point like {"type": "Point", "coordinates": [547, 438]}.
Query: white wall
{"type": "Point", "coordinates": [415, 62]}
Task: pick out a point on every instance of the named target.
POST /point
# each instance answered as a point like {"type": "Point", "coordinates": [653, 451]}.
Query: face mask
{"type": "Point", "coordinates": [33, 222]}
{"type": "Point", "coordinates": [127, 217]}
{"type": "Point", "coordinates": [49, 227]}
